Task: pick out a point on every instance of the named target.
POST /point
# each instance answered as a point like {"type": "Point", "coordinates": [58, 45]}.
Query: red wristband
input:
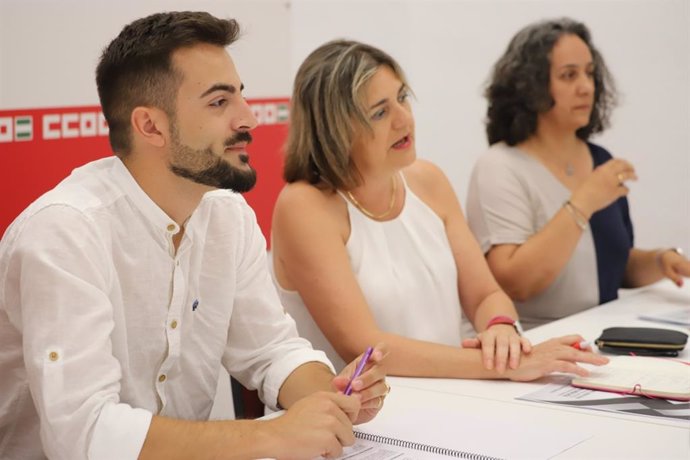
{"type": "Point", "coordinates": [502, 319]}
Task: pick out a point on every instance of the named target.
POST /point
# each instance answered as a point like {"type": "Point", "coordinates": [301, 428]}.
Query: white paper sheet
{"type": "Point", "coordinates": [446, 424]}
{"type": "Point", "coordinates": [560, 392]}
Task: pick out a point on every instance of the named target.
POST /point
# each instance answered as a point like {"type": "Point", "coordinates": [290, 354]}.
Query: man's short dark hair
{"type": "Point", "coordinates": [136, 68]}
{"type": "Point", "coordinates": [519, 86]}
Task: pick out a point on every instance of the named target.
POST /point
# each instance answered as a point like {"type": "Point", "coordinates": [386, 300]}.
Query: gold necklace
{"type": "Point", "coordinates": [368, 213]}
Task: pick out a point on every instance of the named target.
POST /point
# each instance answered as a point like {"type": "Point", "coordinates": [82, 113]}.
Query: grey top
{"type": "Point", "coordinates": [511, 197]}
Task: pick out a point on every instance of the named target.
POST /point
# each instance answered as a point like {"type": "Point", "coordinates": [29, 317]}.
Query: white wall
{"type": "Point", "coordinates": [49, 49]}
{"type": "Point", "coordinates": [447, 49]}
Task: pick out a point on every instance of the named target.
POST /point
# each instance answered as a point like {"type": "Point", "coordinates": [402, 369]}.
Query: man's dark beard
{"type": "Point", "coordinates": [220, 174]}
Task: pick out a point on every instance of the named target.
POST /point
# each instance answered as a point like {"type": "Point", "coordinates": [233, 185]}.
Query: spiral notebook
{"type": "Point", "coordinates": [426, 425]}
{"type": "Point", "coordinates": [385, 447]}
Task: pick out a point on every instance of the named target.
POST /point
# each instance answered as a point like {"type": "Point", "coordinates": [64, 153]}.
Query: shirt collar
{"type": "Point", "coordinates": [148, 208]}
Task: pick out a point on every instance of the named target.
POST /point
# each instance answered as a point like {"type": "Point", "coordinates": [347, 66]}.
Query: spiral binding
{"type": "Point", "coordinates": [421, 447]}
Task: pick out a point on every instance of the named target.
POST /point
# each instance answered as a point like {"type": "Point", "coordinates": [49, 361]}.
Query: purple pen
{"type": "Point", "coordinates": [359, 369]}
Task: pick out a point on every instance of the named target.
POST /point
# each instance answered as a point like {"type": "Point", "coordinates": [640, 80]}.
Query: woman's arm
{"type": "Point", "coordinates": [309, 236]}
{"type": "Point", "coordinates": [310, 230]}
{"type": "Point", "coordinates": [525, 270]}
{"type": "Point", "coordinates": [647, 267]}
{"type": "Point", "coordinates": [480, 295]}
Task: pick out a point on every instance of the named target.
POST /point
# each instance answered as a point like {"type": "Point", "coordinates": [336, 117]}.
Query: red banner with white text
{"type": "Point", "coordinates": [39, 147]}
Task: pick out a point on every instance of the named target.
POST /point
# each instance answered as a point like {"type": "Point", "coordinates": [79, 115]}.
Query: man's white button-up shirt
{"type": "Point", "coordinates": [103, 324]}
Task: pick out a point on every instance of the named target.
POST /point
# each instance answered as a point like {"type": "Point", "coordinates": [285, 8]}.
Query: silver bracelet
{"type": "Point", "coordinates": [579, 217]}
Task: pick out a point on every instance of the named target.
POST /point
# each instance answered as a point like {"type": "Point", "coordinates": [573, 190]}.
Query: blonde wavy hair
{"type": "Point", "coordinates": [328, 108]}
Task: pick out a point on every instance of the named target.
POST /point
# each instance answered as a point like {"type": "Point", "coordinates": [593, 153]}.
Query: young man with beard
{"type": "Point", "coordinates": [126, 287]}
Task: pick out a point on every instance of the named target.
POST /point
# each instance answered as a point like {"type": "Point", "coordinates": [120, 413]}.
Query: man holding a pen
{"type": "Point", "coordinates": [124, 289]}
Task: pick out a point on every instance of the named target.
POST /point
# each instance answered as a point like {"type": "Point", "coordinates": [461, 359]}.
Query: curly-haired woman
{"type": "Point", "coordinates": [547, 206]}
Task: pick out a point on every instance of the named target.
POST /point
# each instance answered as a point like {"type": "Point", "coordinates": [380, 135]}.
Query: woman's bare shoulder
{"type": "Point", "coordinates": [305, 194]}
{"type": "Point", "coordinates": [427, 180]}
{"type": "Point", "coordinates": [307, 203]}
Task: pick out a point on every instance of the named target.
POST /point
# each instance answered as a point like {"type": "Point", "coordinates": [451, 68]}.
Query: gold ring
{"type": "Point", "coordinates": [388, 388]}
{"type": "Point", "coordinates": [621, 178]}
{"type": "Point", "coordinates": [380, 403]}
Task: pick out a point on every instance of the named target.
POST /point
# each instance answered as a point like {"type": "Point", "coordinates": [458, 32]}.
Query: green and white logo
{"type": "Point", "coordinates": [18, 128]}
{"type": "Point", "coordinates": [23, 128]}
{"type": "Point", "coordinates": [282, 113]}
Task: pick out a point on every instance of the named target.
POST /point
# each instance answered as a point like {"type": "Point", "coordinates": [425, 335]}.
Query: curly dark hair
{"type": "Point", "coordinates": [136, 68]}
{"type": "Point", "coordinates": [519, 86]}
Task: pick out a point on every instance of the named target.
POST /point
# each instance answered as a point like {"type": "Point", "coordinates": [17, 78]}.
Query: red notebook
{"type": "Point", "coordinates": [640, 376]}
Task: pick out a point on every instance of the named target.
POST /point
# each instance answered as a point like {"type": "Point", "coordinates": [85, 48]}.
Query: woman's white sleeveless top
{"type": "Point", "coordinates": [407, 273]}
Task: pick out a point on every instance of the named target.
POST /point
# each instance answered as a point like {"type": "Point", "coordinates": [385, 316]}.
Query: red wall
{"type": "Point", "coordinates": [39, 147]}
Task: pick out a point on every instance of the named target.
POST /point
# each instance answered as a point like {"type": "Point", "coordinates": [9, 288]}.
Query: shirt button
{"type": "Point", "coordinates": [173, 324]}
{"type": "Point", "coordinates": [53, 356]}
{"type": "Point", "coordinates": [162, 378]}
{"type": "Point", "coordinates": [171, 227]}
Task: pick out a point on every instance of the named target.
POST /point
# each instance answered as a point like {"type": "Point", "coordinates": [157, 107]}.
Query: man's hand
{"type": "Point", "coordinates": [318, 424]}
{"type": "Point", "coordinates": [370, 387]}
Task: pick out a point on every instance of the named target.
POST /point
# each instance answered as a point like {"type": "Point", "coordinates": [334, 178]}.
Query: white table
{"type": "Point", "coordinates": [615, 435]}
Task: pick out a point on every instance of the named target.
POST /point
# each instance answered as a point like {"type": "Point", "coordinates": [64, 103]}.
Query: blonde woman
{"type": "Point", "coordinates": [370, 244]}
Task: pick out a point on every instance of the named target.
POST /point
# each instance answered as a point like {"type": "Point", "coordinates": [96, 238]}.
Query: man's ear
{"type": "Point", "coordinates": [150, 125]}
